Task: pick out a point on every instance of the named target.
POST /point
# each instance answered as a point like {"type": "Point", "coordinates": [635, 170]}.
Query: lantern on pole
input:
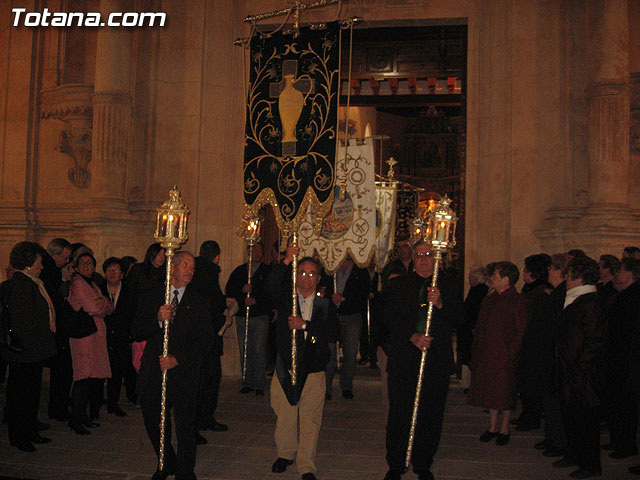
{"type": "Point", "coordinates": [251, 235]}
{"type": "Point", "coordinates": [171, 233]}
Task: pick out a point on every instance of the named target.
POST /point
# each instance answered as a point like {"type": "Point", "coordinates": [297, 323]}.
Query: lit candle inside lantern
{"type": "Point", "coordinates": [163, 226]}
{"type": "Point", "coordinates": [171, 227]}
{"type": "Point", "coordinates": [442, 232]}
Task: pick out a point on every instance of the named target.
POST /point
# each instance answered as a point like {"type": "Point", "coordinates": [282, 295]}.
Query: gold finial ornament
{"type": "Point", "coordinates": [171, 232]}
{"type": "Point", "coordinates": [440, 234]}
{"type": "Point", "coordinates": [391, 162]}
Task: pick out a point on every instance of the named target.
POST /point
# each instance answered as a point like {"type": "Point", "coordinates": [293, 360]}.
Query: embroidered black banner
{"type": "Point", "coordinates": [290, 135]}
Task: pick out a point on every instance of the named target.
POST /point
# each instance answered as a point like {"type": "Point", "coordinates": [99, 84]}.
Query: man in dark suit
{"type": "Point", "coordinates": [57, 256]}
{"type": "Point", "coordinates": [190, 339]}
{"type": "Point", "coordinates": [206, 281]}
{"type": "Point", "coordinates": [351, 301]}
{"type": "Point", "coordinates": [315, 325]}
{"type": "Point", "coordinates": [404, 317]}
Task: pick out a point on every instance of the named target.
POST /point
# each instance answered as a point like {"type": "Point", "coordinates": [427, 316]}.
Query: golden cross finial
{"type": "Point", "coordinates": [391, 162]}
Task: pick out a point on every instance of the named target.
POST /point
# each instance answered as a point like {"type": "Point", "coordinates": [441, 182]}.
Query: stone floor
{"type": "Point", "coordinates": [351, 444]}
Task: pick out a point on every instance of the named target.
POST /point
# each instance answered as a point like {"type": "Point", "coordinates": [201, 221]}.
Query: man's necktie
{"type": "Point", "coordinates": [423, 306]}
{"type": "Point", "coordinates": [174, 304]}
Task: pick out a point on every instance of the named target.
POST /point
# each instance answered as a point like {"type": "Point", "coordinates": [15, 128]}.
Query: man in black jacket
{"type": "Point", "coordinates": [190, 339]}
{"type": "Point", "coordinates": [302, 403]}
{"type": "Point", "coordinates": [351, 301]}
{"type": "Point", "coordinates": [206, 280]}
{"type": "Point", "coordinates": [57, 256]}
{"type": "Point", "coordinates": [407, 341]}
{"type": "Point", "coordinates": [622, 321]}
{"type": "Point", "coordinates": [259, 308]}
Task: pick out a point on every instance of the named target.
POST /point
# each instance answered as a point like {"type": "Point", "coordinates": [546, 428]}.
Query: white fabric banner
{"type": "Point", "coordinates": [350, 226]}
{"type": "Point", "coordinates": [386, 196]}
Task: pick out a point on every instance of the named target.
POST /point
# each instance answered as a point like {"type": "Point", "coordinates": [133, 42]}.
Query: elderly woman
{"type": "Point", "coordinates": [89, 353]}
{"type": "Point", "coordinates": [32, 319]}
{"type": "Point", "coordinates": [477, 291]}
{"type": "Point", "coordinates": [496, 345]}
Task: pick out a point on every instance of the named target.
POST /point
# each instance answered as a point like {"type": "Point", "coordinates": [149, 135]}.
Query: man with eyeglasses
{"type": "Point", "coordinates": [404, 316]}
{"type": "Point", "coordinates": [316, 325]}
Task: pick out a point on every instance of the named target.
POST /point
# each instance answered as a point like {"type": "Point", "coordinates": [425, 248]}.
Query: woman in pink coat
{"type": "Point", "coordinates": [497, 339]}
{"type": "Point", "coordinates": [88, 354]}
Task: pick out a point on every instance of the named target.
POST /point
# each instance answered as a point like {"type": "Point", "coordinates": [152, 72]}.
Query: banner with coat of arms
{"type": "Point", "coordinates": [291, 124]}
{"type": "Point", "coordinates": [350, 226]}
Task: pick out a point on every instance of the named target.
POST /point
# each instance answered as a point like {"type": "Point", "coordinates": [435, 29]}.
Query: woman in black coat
{"type": "Point", "coordinates": [580, 362]}
{"type": "Point", "coordinates": [32, 319]}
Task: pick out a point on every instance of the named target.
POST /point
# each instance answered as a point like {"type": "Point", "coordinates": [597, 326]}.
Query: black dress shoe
{"type": "Point", "coordinates": [620, 455]}
{"type": "Point", "coordinates": [584, 473]}
{"type": "Point", "coordinates": [348, 394]}
{"type": "Point", "coordinates": [60, 417]}
{"type": "Point", "coordinates": [160, 475]}
{"type": "Point", "coordinates": [488, 436]}
{"type": "Point", "coordinates": [524, 427]}
{"type": "Point", "coordinates": [200, 440]}
{"type": "Point", "coordinates": [25, 447]}
{"type": "Point", "coordinates": [217, 427]}
{"type": "Point", "coordinates": [280, 465]}
{"type": "Point", "coordinates": [43, 426]}
{"type": "Point", "coordinates": [635, 470]}
{"type": "Point", "coordinates": [393, 475]}
{"type": "Point", "coordinates": [78, 428]}
{"type": "Point", "coordinates": [38, 440]}
{"type": "Point", "coordinates": [117, 411]}
{"type": "Point", "coordinates": [246, 390]}
{"type": "Point", "coordinates": [564, 462]}
{"type": "Point", "coordinates": [543, 445]}
{"type": "Point", "coordinates": [553, 452]}
{"type": "Point", "coordinates": [502, 439]}
{"type": "Point", "coordinates": [425, 475]}
{"type": "Point", "coordinates": [259, 393]}
{"type": "Point", "coordinates": [309, 476]}
{"type": "Point", "coordinates": [90, 424]}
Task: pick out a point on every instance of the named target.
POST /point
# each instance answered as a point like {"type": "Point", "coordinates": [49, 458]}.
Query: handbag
{"type": "Point", "coordinates": [8, 340]}
{"type": "Point", "coordinates": [79, 323]}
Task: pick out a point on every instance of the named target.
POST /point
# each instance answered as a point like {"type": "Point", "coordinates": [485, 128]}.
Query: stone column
{"type": "Point", "coordinates": [608, 96]}
{"type": "Point", "coordinates": [111, 109]}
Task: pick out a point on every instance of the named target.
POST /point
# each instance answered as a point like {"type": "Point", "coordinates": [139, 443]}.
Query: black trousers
{"type": "Point", "coordinates": [402, 389]}
{"type": "Point", "coordinates": [582, 427]}
{"type": "Point", "coordinates": [208, 390]}
{"type": "Point", "coordinates": [184, 412]}
{"type": "Point", "coordinates": [88, 391]}
{"type": "Point", "coordinates": [23, 399]}
{"type": "Point", "coordinates": [61, 378]}
{"type": "Point", "coordinates": [531, 411]}
{"type": "Point", "coordinates": [119, 362]}
{"type": "Point", "coordinates": [623, 420]}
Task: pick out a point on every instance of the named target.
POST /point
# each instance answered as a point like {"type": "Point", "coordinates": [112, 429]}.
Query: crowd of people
{"type": "Point", "coordinates": [565, 347]}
